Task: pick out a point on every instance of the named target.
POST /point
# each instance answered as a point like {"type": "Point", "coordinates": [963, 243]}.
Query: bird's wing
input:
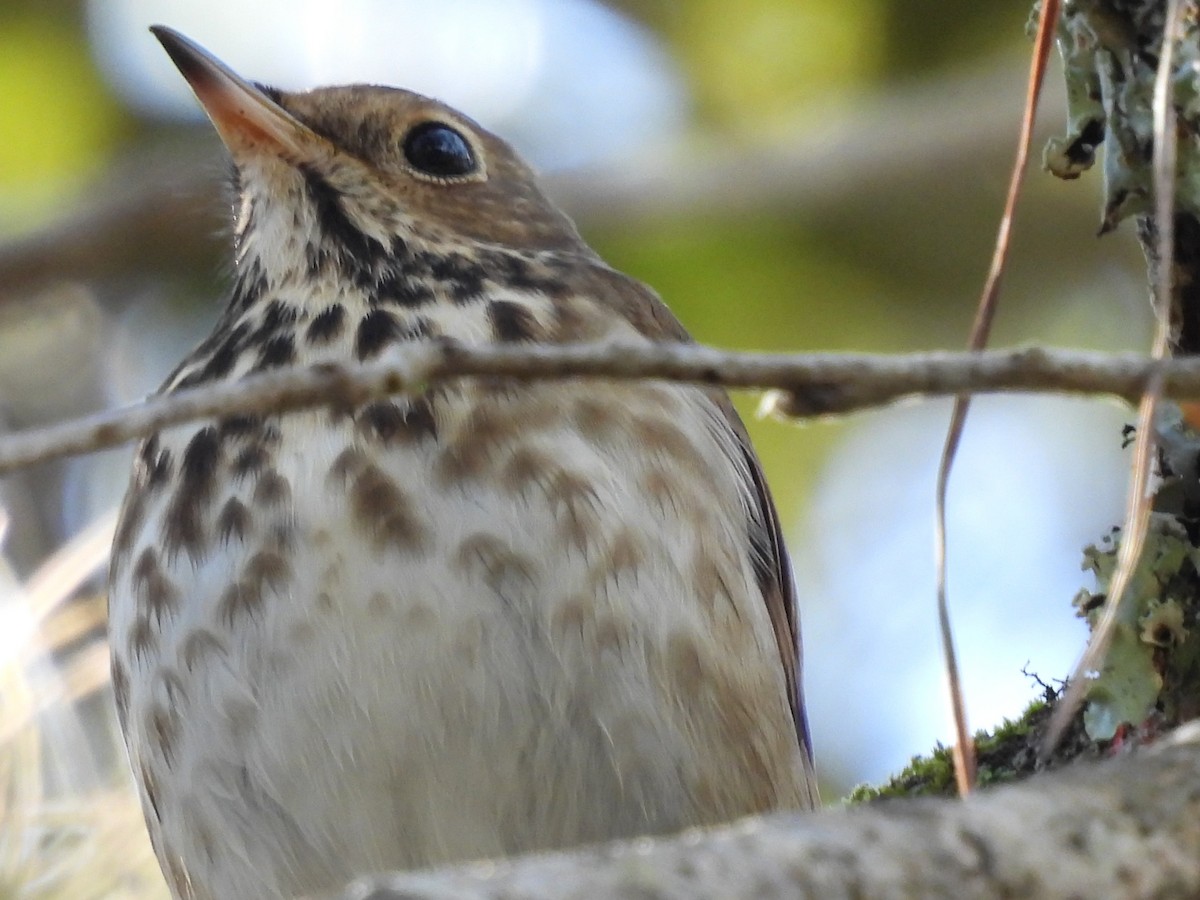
{"type": "Point", "coordinates": [776, 583]}
{"type": "Point", "coordinates": [641, 307]}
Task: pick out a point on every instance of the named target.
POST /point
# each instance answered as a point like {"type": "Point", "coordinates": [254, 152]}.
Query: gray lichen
{"type": "Point", "coordinates": [1110, 56]}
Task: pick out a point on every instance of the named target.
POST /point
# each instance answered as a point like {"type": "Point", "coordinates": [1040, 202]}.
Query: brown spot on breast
{"type": "Point", "coordinates": [162, 724]}
{"type": "Point", "coordinates": [469, 454]}
{"type": "Point", "coordinates": [398, 289]}
{"type": "Point", "coordinates": [662, 487]}
{"type": "Point", "coordinates": [462, 461]}
{"type": "Point", "coordinates": [234, 521]}
{"type": "Point", "coordinates": [223, 356]}
{"type": "Point", "coordinates": [237, 600]}
{"type": "Point", "coordinates": [348, 464]}
{"type": "Point", "coordinates": [391, 422]}
{"type": "Point", "coordinates": [613, 634]}
{"type": "Point", "coordinates": [501, 420]}
{"type": "Point", "coordinates": [198, 646]}
{"type": "Point", "coordinates": [327, 326]}
{"type": "Point", "coordinates": [281, 536]}
{"type": "Point", "coordinates": [596, 418]}
{"type": "Point", "coordinates": [184, 520]}
{"type": "Point", "coordinates": [278, 350]}
{"type": "Point", "coordinates": [501, 568]}
{"type": "Point", "coordinates": [528, 467]}
{"type": "Point", "coordinates": [266, 570]}
{"type": "Point", "coordinates": [621, 558]}
{"type": "Point", "coordinates": [250, 460]}
{"type": "Point", "coordinates": [576, 506]}
{"type": "Point", "coordinates": [143, 637]}
{"type": "Point", "coordinates": [384, 512]}
{"type": "Point", "coordinates": [661, 437]}
{"type": "Point", "coordinates": [569, 618]}
{"type": "Point", "coordinates": [276, 317]}
{"type": "Point", "coordinates": [272, 489]}
{"type": "Point", "coordinates": [376, 330]}
{"type": "Point", "coordinates": [157, 596]}
{"type": "Point", "coordinates": [513, 322]}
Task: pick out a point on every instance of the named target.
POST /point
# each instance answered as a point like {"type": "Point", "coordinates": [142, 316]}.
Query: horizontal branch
{"type": "Point", "coordinates": [809, 385]}
{"type": "Point", "coordinates": [1126, 828]}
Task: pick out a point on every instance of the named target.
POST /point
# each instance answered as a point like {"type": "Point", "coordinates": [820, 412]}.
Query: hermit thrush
{"type": "Point", "coordinates": [495, 618]}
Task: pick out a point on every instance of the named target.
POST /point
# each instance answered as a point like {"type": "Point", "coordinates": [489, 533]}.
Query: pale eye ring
{"type": "Point", "coordinates": [434, 148]}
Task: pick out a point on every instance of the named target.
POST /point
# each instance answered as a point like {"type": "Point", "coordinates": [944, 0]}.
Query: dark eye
{"type": "Point", "coordinates": [437, 149]}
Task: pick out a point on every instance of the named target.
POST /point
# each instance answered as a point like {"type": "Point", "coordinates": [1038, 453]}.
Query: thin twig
{"type": "Point", "coordinates": [814, 384]}
{"type": "Point", "coordinates": [964, 745]}
{"type": "Point", "coordinates": [1139, 501]}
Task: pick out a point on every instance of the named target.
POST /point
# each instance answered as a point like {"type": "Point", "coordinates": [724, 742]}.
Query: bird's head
{"type": "Point", "coordinates": [341, 177]}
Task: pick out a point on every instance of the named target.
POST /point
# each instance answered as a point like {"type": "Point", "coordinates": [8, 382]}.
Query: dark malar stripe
{"type": "Point", "coordinates": [336, 228]}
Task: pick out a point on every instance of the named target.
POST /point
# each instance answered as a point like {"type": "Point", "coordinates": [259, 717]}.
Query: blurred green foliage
{"type": "Point", "coordinates": [749, 60]}
{"type": "Point", "coordinates": [58, 124]}
{"type": "Point", "coordinates": [749, 63]}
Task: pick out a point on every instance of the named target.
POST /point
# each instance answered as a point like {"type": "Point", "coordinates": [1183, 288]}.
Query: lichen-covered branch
{"type": "Point", "coordinates": [1111, 51]}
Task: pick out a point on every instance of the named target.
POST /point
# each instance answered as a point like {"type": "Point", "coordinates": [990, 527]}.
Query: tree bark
{"type": "Point", "coordinates": [1126, 827]}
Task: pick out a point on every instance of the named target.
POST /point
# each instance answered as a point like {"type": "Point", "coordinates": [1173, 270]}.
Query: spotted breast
{"type": "Point", "coordinates": [495, 618]}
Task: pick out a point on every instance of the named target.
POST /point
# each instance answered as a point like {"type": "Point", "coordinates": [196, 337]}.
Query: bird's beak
{"type": "Point", "coordinates": [243, 114]}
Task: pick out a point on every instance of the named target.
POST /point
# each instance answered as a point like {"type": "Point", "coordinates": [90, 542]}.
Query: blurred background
{"type": "Point", "coordinates": [821, 175]}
